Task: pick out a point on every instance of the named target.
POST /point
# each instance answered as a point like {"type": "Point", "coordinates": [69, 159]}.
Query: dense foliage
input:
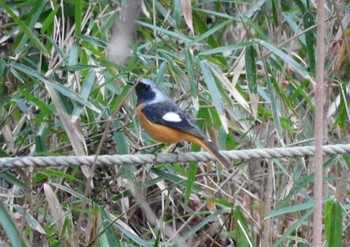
{"type": "Point", "coordinates": [243, 69]}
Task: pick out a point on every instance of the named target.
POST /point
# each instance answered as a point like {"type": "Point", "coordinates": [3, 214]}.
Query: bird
{"type": "Point", "coordinates": [166, 122]}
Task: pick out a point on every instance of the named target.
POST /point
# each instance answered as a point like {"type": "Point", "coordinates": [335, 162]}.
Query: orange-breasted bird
{"type": "Point", "coordinates": [166, 122]}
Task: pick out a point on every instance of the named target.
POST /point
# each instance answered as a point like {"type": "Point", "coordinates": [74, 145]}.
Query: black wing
{"type": "Point", "coordinates": [155, 113]}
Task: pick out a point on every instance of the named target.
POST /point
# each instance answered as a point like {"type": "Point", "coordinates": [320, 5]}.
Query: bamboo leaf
{"type": "Point", "coordinates": [251, 69]}
{"type": "Point", "coordinates": [210, 32]}
{"type": "Point", "coordinates": [291, 229]}
{"type": "Point", "coordinates": [84, 93]}
{"type": "Point", "coordinates": [167, 32]}
{"type": "Point", "coordinates": [228, 48]}
{"type": "Point", "coordinates": [201, 224]}
{"type": "Point", "coordinates": [187, 12]}
{"type": "Point", "coordinates": [334, 223]}
{"type": "Point", "coordinates": [286, 58]}
{"type": "Point", "coordinates": [244, 236]}
{"type": "Point", "coordinates": [47, 23]}
{"type": "Point", "coordinates": [214, 92]}
{"type": "Point", "coordinates": [9, 227]}
{"type": "Point", "coordinates": [295, 208]}
{"type": "Point", "coordinates": [190, 181]}
{"type": "Point", "coordinates": [78, 15]}
{"type": "Point", "coordinates": [26, 29]}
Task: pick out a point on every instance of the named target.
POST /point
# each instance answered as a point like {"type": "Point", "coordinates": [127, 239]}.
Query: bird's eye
{"type": "Point", "coordinates": [146, 86]}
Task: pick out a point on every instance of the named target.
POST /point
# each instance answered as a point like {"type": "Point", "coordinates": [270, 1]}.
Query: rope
{"type": "Point", "coordinates": [136, 159]}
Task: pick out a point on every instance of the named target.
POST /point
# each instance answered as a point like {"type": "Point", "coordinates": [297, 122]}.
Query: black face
{"type": "Point", "coordinates": [144, 93]}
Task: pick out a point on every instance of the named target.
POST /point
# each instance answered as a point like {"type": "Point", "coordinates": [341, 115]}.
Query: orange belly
{"type": "Point", "coordinates": [162, 133]}
{"type": "Point", "coordinates": [168, 135]}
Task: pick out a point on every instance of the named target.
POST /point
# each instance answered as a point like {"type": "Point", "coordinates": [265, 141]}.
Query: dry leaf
{"type": "Point", "coordinates": [187, 11]}
{"type": "Point", "coordinates": [55, 206]}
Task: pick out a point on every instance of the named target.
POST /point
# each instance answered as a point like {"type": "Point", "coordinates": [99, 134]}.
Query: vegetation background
{"type": "Point", "coordinates": [244, 69]}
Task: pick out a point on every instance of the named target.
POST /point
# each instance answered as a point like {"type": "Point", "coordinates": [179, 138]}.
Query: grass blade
{"type": "Point", "coordinates": [26, 29]}
{"type": "Point", "coordinates": [334, 223]}
{"type": "Point", "coordinates": [286, 58]}
{"type": "Point", "coordinates": [214, 92]}
{"type": "Point", "coordinates": [9, 227]}
{"type": "Point", "coordinates": [251, 69]}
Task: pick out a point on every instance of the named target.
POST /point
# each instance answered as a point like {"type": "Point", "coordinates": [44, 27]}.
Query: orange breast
{"type": "Point", "coordinates": [168, 135]}
{"type": "Point", "coordinates": [159, 132]}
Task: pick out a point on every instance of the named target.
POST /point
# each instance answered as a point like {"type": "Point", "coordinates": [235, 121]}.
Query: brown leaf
{"type": "Point", "coordinates": [55, 206]}
{"type": "Point", "coordinates": [187, 10]}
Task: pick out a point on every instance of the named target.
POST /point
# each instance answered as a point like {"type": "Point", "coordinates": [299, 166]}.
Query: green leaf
{"type": "Point", "coordinates": [131, 235]}
{"type": "Point", "coordinates": [210, 32]}
{"type": "Point", "coordinates": [228, 48]}
{"type": "Point", "coordinates": [92, 40]}
{"type": "Point", "coordinates": [177, 13]}
{"type": "Point", "coordinates": [216, 13]}
{"type": "Point", "coordinates": [78, 15]}
{"type": "Point", "coordinates": [191, 178]}
{"type": "Point", "coordinates": [107, 234]}
{"type": "Point", "coordinates": [58, 87]}
{"type": "Point", "coordinates": [57, 47]}
{"type": "Point", "coordinates": [11, 179]}
{"type": "Point", "coordinates": [310, 42]}
{"type": "Point", "coordinates": [26, 29]}
{"type": "Point", "coordinates": [33, 18]}
{"type": "Point", "coordinates": [73, 96]}
{"type": "Point", "coordinates": [275, 12]}
{"type": "Point", "coordinates": [85, 92]}
{"type": "Point", "coordinates": [121, 139]}
{"type": "Point", "coordinates": [293, 228]}
{"type": "Point", "coordinates": [191, 74]}
{"type": "Point", "coordinates": [334, 223]}
{"type": "Point", "coordinates": [201, 224]}
{"type": "Point", "coordinates": [282, 95]}
{"type": "Point", "coordinates": [160, 75]}
{"type": "Point", "coordinates": [254, 8]}
{"type": "Point", "coordinates": [176, 35]}
{"type": "Point", "coordinates": [251, 69]}
{"type": "Point", "coordinates": [301, 92]}
{"type": "Point", "coordinates": [31, 221]}
{"type": "Point", "coordinates": [46, 109]}
{"type": "Point", "coordinates": [214, 91]}
{"type": "Point", "coordinates": [175, 179]}
{"type": "Point", "coordinates": [275, 109]}
{"type": "Point", "coordinates": [73, 55]}
{"type": "Point", "coordinates": [286, 58]}
{"type": "Point", "coordinates": [40, 144]}
{"type": "Point", "coordinates": [302, 183]}
{"type": "Point", "coordinates": [29, 71]}
{"type": "Point", "coordinates": [243, 234]}
{"type": "Point", "coordinates": [295, 208]}
{"type": "Point", "coordinates": [9, 227]}
{"type": "Point", "coordinates": [59, 174]}
{"type": "Point", "coordinates": [70, 191]}
{"type": "Point", "coordinates": [47, 23]}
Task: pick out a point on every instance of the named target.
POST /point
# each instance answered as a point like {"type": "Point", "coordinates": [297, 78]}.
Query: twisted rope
{"type": "Point", "coordinates": [135, 159]}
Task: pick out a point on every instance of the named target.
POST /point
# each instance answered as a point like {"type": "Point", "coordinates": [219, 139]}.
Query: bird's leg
{"type": "Point", "coordinates": [175, 147]}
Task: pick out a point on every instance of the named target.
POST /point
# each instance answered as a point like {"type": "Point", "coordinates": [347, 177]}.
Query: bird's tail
{"type": "Point", "coordinates": [215, 153]}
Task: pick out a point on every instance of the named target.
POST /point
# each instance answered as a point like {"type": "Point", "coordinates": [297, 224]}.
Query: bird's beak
{"type": "Point", "coordinates": [131, 82]}
{"type": "Point", "coordinates": [134, 83]}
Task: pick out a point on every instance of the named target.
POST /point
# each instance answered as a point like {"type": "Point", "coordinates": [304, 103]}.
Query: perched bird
{"type": "Point", "coordinates": [166, 122]}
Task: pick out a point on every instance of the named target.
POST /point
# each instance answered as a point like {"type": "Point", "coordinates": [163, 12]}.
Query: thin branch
{"type": "Point", "coordinates": [319, 124]}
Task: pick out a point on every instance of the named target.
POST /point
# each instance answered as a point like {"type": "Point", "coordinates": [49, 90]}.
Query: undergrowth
{"type": "Point", "coordinates": [243, 69]}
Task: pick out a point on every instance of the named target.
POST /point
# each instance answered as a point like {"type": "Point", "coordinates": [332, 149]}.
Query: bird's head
{"type": "Point", "coordinates": [148, 92]}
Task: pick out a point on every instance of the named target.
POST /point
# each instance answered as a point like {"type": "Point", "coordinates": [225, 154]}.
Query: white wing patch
{"type": "Point", "coordinates": [172, 117]}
